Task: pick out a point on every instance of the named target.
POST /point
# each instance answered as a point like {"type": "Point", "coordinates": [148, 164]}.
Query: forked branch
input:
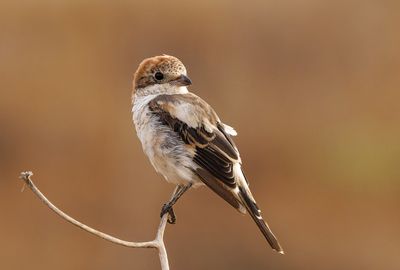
{"type": "Point", "coordinates": [157, 243]}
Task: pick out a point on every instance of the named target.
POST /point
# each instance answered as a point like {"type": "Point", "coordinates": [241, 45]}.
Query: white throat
{"type": "Point", "coordinates": [158, 89]}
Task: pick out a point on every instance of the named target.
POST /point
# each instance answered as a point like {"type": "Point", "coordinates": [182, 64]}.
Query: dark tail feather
{"type": "Point", "coordinates": [255, 213]}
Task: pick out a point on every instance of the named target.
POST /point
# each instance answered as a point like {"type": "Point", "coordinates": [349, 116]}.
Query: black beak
{"type": "Point", "coordinates": [182, 80]}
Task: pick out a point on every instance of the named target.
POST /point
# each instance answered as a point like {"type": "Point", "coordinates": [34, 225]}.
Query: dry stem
{"type": "Point", "coordinates": [157, 243]}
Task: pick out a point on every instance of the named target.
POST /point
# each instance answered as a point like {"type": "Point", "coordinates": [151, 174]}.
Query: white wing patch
{"type": "Point", "coordinates": [230, 130]}
{"type": "Point", "coordinates": [185, 112]}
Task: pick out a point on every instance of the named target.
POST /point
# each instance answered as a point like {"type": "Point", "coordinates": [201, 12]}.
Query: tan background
{"type": "Point", "coordinates": [311, 86]}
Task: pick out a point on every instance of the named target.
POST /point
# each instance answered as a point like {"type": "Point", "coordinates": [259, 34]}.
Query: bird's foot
{"type": "Point", "coordinates": [167, 208]}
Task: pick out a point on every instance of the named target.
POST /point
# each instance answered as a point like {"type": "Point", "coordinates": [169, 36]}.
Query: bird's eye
{"type": "Point", "coordinates": [159, 76]}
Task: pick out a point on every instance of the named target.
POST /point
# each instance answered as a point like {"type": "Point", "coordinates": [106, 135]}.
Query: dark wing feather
{"type": "Point", "coordinates": [217, 187]}
{"type": "Point", "coordinates": [215, 151]}
{"type": "Point", "coordinates": [225, 143]}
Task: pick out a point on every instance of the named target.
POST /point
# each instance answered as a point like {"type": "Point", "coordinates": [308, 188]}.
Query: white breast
{"type": "Point", "coordinates": [166, 152]}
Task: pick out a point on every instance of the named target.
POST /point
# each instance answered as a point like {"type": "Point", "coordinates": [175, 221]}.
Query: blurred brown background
{"type": "Point", "coordinates": [318, 79]}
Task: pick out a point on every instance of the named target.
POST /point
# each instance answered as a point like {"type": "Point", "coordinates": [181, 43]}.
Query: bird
{"type": "Point", "coordinates": [186, 141]}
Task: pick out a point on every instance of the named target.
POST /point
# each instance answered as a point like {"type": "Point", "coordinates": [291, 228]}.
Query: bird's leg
{"type": "Point", "coordinates": [168, 207]}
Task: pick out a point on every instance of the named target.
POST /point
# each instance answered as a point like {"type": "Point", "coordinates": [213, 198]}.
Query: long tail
{"type": "Point", "coordinates": [255, 213]}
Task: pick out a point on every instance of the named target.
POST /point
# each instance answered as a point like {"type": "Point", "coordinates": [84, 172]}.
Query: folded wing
{"type": "Point", "coordinates": [199, 127]}
{"type": "Point", "coordinates": [215, 153]}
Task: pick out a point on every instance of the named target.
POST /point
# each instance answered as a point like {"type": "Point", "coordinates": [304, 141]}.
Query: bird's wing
{"type": "Point", "coordinates": [215, 153]}
{"type": "Point", "coordinates": [199, 127]}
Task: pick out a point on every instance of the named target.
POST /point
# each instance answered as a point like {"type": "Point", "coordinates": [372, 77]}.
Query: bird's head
{"type": "Point", "coordinates": [163, 74]}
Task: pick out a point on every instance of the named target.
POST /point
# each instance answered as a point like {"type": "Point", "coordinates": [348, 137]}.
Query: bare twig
{"type": "Point", "coordinates": [157, 243]}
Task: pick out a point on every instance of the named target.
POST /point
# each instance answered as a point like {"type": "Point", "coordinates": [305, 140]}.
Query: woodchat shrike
{"type": "Point", "coordinates": [186, 141]}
